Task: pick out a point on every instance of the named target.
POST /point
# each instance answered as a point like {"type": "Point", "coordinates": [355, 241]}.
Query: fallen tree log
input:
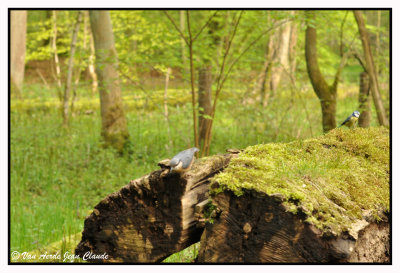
{"type": "Point", "coordinates": [152, 217]}
{"type": "Point", "coordinates": [323, 200]}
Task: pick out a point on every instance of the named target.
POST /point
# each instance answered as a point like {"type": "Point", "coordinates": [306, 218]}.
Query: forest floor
{"type": "Point", "coordinates": [59, 174]}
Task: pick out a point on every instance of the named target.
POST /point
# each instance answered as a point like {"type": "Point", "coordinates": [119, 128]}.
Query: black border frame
{"type": "Point", "coordinates": [164, 8]}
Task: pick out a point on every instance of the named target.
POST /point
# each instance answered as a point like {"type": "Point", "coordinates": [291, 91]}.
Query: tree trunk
{"type": "Point", "coordinates": [185, 70]}
{"type": "Point", "coordinates": [292, 49]}
{"type": "Point", "coordinates": [152, 217]}
{"type": "Point", "coordinates": [79, 70]}
{"type": "Point", "coordinates": [194, 110]}
{"type": "Point", "coordinates": [258, 228]}
{"type": "Point", "coordinates": [369, 62]}
{"type": "Point", "coordinates": [282, 56]}
{"type": "Point", "coordinates": [279, 57]}
{"type": "Point", "coordinates": [265, 86]}
{"type": "Point", "coordinates": [166, 115]}
{"type": "Point", "coordinates": [114, 128]}
{"type": "Point", "coordinates": [378, 40]}
{"type": "Point", "coordinates": [68, 84]}
{"type": "Point", "coordinates": [205, 107]}
{"type": "Point", "coordinates": [167, 74]}
{"type": "Point", "coordinates": [56, 62]}
{"type": "Point", "coordinates": [17, 50]}
{"type": "Point", "coordinates": [92, 70]}
{"type": "Point", "coordinates": [206, 80]}
{"type": "Point", "coordinates": [265, 75]}
{"type": "Point", "coordinates": [364, 101]}
{"type": "Point", "coordinates": [325, 93]}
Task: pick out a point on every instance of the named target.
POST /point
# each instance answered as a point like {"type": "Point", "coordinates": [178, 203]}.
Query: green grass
{"type": "Point", "coordinates": [58, 175]}
{"type": "Point", "coordinates": [188, 255]}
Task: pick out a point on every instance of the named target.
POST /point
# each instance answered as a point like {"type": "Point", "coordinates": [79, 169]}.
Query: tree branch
{"type": "Point", "coordinates": [207, 140]}
{"type": "Point", "coordinates": [227, 51]}
{"type": "Point", "coordinates": [176, 27]}
{"type": "Point", "coordinates": [251, 44]}
{"type": "Point", "coordinates": [341, 33]}
{"type": "Point", "coordinates": [205, 25]}
{"type": "Point", "coordinates": [190, 44]}
{"type": "Point", "coordinates": [360, 60]}
{"type": "Point", "coordinates": [221, 83]}
{"type": "Point", "coordinates": [342, 64]}
{"type": "Point", "coordinates": [339, 70]}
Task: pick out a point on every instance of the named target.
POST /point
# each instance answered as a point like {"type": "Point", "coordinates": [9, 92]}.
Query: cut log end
{"type": "Point", "coordinates": [268, 233]}
{"type": "Point", "coordinates": [152, 217]}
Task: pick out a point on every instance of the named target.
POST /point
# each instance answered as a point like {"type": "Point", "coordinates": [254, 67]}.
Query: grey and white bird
{"type": "Point", "coordinates": [183, 161]}
{"type": "Point", "coordinates": [351, 120]}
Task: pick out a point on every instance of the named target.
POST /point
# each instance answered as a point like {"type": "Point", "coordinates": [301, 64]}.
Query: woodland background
{"type": "Point", "coordinates": [99, 97]}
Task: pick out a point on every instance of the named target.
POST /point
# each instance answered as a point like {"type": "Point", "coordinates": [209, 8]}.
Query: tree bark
{"type": "Point", "coordinates": [152, 217]}
{"type": "Point", "coordinates": [206, 80]}
{"type": "Point", "coordinates": [194, 111]}
{"type": "Point", "coordinates": [56, 62]}
{"type": "Point", "coordinates": [68, 84]}
{"type": "Point", "coordinates": [378, 40]}
{"type": "Point", "coordinates": [369, 62]}
{"type": "Point", "coordinates": [364, 101]}
{"type": "Point", "coordinates": [166, 115]}
{"type": "Point", "coordinates": [258, 228]}
{"type": "Point", "coordinates": [292, 49]}
{"type": "Point", "coordinates": [85, 16]}
{"type": "Point", "coordinates": [167, 74]}
{"type": "Point", "coordinates": [114, 128]}
{"type": "Point", "coordinates": [265, 76]}
{"type": "Point", "coordinates": [92, 70]}
{"type": "Point", "coordinates": [185, 70]}
{"type": "Point", "coordinates": [17, 50]}
{"type": "Point", "coordinates": [325, 93]}
{"type": "Point", "coordinates": [282, 56]}
{"type": "Point", "coordinates": [205, 108]}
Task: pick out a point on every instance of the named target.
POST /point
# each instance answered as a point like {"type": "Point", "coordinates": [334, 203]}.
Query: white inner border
{"type": "Point", "coordinates": [197, 4]}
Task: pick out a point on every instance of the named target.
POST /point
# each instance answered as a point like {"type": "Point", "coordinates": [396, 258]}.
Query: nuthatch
{"type": "Point", "coordinates": [183, 161]}
{"type": "Point", "coordinates": [351, 120]}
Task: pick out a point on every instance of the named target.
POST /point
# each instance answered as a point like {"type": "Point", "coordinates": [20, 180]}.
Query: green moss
{"type": "Point", "coordinates": [333, 178]}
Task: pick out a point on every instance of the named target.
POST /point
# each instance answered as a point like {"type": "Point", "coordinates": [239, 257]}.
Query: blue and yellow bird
{"type": "Point", "coordinates": [351, 120]}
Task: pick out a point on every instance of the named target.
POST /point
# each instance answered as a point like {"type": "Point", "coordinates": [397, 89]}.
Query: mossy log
{"type": "Point", "coordinates": [152, 217]}
{"type": "Point", "coordinates": [322, 200]}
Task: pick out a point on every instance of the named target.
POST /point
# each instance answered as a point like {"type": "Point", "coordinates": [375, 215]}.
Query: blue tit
{"type": "Point", "coordinates": [183, 161]}
{"type": "Point", "coordinates": [351, 120]}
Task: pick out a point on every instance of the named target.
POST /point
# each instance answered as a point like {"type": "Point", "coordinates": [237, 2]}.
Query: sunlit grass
{"type": "Point", "coordinates": [60, 251]}
{"type": "Point", "coordinates": [188, 255]}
